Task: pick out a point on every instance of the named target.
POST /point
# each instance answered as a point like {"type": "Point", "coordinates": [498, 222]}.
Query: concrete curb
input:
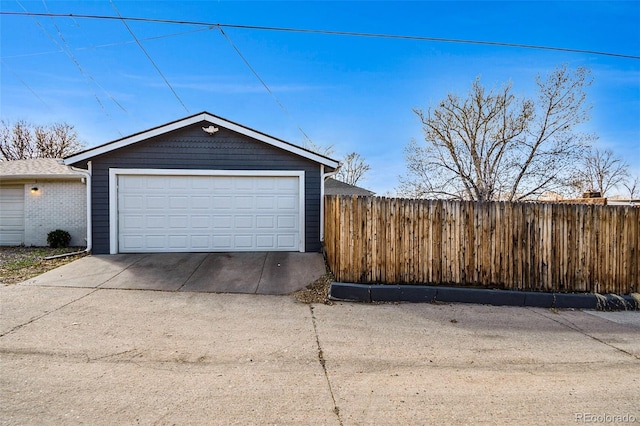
{"type": "Point", "coordinates": [419, 294]}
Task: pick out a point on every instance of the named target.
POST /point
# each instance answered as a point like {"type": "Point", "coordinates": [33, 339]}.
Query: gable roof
{"type": "Point", "coordinates": [336, 187]}
{"type": "Point", "coordinates": [37, 168]}
{"type": "Point", "coordinates": [198, 118]}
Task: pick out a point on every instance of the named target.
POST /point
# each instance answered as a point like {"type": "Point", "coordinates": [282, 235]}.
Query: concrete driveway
{"type": "Point", "coordinates": [252, 273]}
{"type": "Point", "coordinates": [107, 356]}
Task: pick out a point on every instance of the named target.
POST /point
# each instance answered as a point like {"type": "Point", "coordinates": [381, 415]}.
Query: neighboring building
{"type": "Point", "coordinates": [203, 183]}
{"type": "Point", "coordinates": [634, 202]}
{"type": "Point", "coordinates": [336, 187]}
{"type": "Point", "coordinates": [38, 196]}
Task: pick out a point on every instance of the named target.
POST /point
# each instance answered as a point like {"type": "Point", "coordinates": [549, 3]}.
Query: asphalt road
{"type": "Point", "coordinates": [110, 356]}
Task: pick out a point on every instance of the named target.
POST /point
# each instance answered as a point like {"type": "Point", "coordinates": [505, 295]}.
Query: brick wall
{"type": "Point", "coordinates": [56, 205]}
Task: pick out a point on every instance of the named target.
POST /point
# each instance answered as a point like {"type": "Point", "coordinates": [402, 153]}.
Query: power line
{"type": "Point", "coordinates": [255, 73]}
{"type": "Point", "coordinates": [120, 43]}
{"type": "Point", "coordinates": [66, 49]}
{"type": "Point", "coordinates": [149, 57]}
{"type": "Point", "coordinates": [329, 32]}
{"type": "Point", "coordinates": [24, 83]}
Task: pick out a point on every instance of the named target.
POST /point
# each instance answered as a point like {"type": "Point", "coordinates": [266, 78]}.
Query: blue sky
{"type": "Point", "coordinates": [352, 92]}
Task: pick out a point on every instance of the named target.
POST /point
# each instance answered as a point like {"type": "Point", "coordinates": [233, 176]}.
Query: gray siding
{"type": "Point", "coordinates": [191, 148]}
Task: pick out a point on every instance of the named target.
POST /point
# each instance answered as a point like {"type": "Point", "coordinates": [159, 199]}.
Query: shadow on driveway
{"type": "Point", "coordinates": [250, 272]}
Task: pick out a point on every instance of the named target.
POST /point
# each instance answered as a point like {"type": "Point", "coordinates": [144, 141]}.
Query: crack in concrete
{"type": "Point", "coordinates": [261, 273]}
{"type": "Point", "coordinates": [19, 326]}
{"type": "Point", "coordinates": [96, 288]}
{"type": "Point", "coordinates": [128, 266]}
{"type": "Point", "coordinates": [323, 363]}
{"type": "Point", "coordinates": [193, 273]}
{"type": "Point", "coordinates": [574, 327]}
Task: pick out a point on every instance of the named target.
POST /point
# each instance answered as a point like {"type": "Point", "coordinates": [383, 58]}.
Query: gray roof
{"type": "Point", "coordinates": [336, 187]}
{"type": "Point", "coordinates": [36, 168]}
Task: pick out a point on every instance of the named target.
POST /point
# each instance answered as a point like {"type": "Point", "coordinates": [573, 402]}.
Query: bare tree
{"type": "Point", "coordinates": [633, 186]}
{"type": "Point", "coordinates": [601, 171]}
{"type": "Point", "coordinates": [327, 151]}
{"type": "Point", "coordinates": [16, 142]}
{"type": "Point", "coordinates": [22, 140]}
{"type": "Point", "coordinates": [492, 145]}
{"type": "Point", "coordinates": [352, 169]}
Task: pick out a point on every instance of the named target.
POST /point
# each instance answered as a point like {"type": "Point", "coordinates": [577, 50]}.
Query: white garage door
{"type": "Point", "coordinates": [208, 213]}
{"type": "Point", "coordinates": [12, 215]}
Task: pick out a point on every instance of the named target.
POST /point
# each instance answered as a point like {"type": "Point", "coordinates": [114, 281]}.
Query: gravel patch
{"type": "Point", "coordinates": [20, 263]}
{"type": "Point", "coordinates": [316, 292]}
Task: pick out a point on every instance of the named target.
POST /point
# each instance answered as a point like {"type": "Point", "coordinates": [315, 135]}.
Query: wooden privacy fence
{"type": "Point", "coordinates": [524, 246]}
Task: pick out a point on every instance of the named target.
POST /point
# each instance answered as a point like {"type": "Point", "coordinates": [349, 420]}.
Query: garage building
{"type": "Point", "coordinates": [204, 184]}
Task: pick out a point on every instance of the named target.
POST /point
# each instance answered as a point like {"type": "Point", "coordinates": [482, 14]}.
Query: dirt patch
{"type": "Point", "coordinates": [316, 292]}
{"type": "Point", "coordinates": [18, 264]}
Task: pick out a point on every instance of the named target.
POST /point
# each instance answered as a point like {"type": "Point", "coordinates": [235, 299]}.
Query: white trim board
{"type": "Point", "coordinates": [113, 192]}
{"type": "Point", "coordinates": [210, 118]}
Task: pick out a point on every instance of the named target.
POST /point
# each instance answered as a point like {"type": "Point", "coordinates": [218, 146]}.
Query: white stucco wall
{"type": "Point", "coordinates": [56, 205]}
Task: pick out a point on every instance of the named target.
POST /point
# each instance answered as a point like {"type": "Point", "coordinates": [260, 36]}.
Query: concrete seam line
{"type": "Point", "coordinates": [17, 327]}
{"type": "Point", "coordinates": [261, 273]}
{"type": "Point", "coordinates": [128, 266]}
{"type": "Point", "coordinates": [194, 271]}
{"type": "Point", "coordinates": [322, 361]}
{"type": "Point", "coordinates": [584, 333]}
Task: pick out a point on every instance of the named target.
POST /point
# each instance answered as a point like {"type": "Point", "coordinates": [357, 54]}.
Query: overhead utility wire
{"type": "Point", "coordinates": [119, 43]}
{"type": "Point", "coordinates": [329, 32]}
{"type": "Point", "coordinates": [66, 49]}
{"type": "Point", "coordinates": [149, 57]}
{"type": "Point", "coordinates": [255, 73]}
{"type": "Point", "coordinates": [24, 83]}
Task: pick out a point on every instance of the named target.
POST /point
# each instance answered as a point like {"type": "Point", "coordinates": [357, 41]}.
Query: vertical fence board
{"type": "Point", "coordinates": [526, 246]}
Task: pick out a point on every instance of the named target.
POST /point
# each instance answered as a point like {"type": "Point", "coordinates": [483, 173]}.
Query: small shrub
{"type": "Point", "coordinates": [58, 238]}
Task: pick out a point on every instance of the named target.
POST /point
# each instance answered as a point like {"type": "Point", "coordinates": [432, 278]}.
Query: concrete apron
{"type": "Point", "coordinates": [250, 272]}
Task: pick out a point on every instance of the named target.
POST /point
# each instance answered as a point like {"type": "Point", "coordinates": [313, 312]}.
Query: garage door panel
{"type": "Point", "coordinates": [180, 183]}
{"type": "Point", "coordinates": [178, 222]}
{"type": "Point", "coordinates": [243, 242]}
{"type": "Point", "coordinates": [287, 203]}
{"type": "Point", "coordinates": [265, 242]}
{"type": "Point", "coordinates": [287, 241]}
{"type": "Point", "coordinates": [200, 221]}
{"type": "Point", "coordinates": [132, 222]}
{"type": "Point", "coordinates": [265, 203]}
{"type": "Point", "coordinates": [266, 183]}
{"type": "Point", "coordinates": [131, 202]}
{"type": "Point", "coordinates": [222, 183]}
{"type": "Point", "coordinates": [156, 241]}
{"type": "Point", "coordinates": [221, 242]}
{"type": "Point", "coordinates": [178, 242]}
{"type": "Point", "coordinates": [287, 185]}
{"type": "Point", "coordinates": [243, 202]}
{"type": "Point", "coordinates": [155, 182]}
{"type": "Point", "coordinates": [287, 222]}
{"type": "Point", "coordinates": [208, 213]}
{"type": "Point", "coordinates": [131, 184]}
{"type": "Point", "coordinates": [132, 241]}
{"type": "Point", "coordinates": [178, 202]}
{"type": "Point", "coordinates": [265, 222]}
{"type": "Point", "coordinates": [222, 222]}
{"type": "Point", "coordinates": [200, 241]}
{"type": "Point", "coordinates": [222, 203]}
{"type": "Point", "coordinates": [244, 184]}
{"type": "Point", "coordinates": [153, 201]}
{"type": "Point", "coordinates": [201, 202]}
{"type": "Point", "coordinates": [156, 221]}
{"type": "Point", "coordinates": [244, 222]}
